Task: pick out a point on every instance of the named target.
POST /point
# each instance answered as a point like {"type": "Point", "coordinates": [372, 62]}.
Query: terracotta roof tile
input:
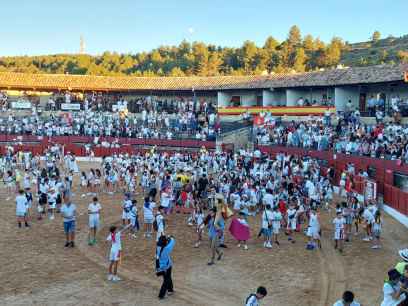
{"type": "Point", "coordinates": [357, 75]}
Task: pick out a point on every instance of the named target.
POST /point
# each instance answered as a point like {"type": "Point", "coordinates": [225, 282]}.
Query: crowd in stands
{"type": "Point", "coordinates": [187, 120]}
{"type": "Point", "coordinates": [349, 136]}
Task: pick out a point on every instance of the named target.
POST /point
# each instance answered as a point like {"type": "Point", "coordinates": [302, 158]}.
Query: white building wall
{"type": "Point", "coordinates": [248, 99]}
{"type": "Point", "coordinates": [345, 93]}
{"type": "Point", "coordinates": [274, 98]}
{"type": "Point", "coordinates": [268, 98]}
{"type": "Point", "coordinates": [223, 99]}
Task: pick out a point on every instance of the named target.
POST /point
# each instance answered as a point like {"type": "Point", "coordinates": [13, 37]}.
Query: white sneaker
{"type": "Point", "coordinates": [110, 277]}
{"type": "Point", "coordinates": [238, 245]}
{"type": "Point", "coordinates": [366, 239]}
{"type": "Point", "coordinates": [116, 278]}
{"type": "Point", "coordinates": [265, 244]}
{"type": "Point", "coordinates": [370, 238]}
{"type": "Point", "coordinates": [375, 247]}
{"type": "Point", "coordinates": [245, 247]}
{"type": "Point", "coordinates": [269, 245]}
{"type": "Point", "coordinates": [83, 195]}
{"type": "Point", "coordinates": [52, 217]}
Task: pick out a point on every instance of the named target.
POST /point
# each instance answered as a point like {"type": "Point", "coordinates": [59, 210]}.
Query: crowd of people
{"type": "Point", "coordinates": [349, 135]}
{"type": "Point", "coordinates": [284, 194]}
{"type": "Point", "coordinates": [149, 124]}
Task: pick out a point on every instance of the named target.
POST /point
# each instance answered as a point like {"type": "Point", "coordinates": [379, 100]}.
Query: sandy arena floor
{"type": "Point", "coordinates": [36, 269]}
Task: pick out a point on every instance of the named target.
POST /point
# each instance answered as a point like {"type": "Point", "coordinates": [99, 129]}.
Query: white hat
{"type": "Point", "coordinates": [404, 254]}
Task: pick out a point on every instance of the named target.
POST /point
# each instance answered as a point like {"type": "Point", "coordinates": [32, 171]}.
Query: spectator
{"type": "Point", "coordinates": [68, 212]}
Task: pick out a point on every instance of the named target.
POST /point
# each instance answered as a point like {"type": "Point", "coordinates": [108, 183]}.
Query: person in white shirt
{"type": "Point", "coordinates": [254, 298]}
{"type": "Point", "coordinates": [313, 230]}
{"type": "Point", "coordinates": [115, 252]}
{"type": "Point", "coordinates": [267, 226]}
{"type": "Point", "coordinates": [291, 222]}
{"type": "Point", "coordinates": [276, 224]}
{"type": "Point", "coordinates": [347, 300]}
{"type": "Point", "coordinates": [160, 222]}
{"type": "Point", "coordinates": [127, 204]}
{"type": "Point", "coordinates": [339, 223]}
{"type": "Point", "coordinates": [52, 202]}
{"type": "Point", "coordinates": [148, 216]}
{"type": "Point", "coordinates": [394, 294]}
{"type": "Point", "coordinates": [134, 218]}
{"type": "Point", "coordinates": [369, 219]}
{"type": "Point", "coordinates": [68, 212]}
{"type": "Point", "coordinates": [21, 208]}
{"type": "Point", "coordinates": [94, 210]}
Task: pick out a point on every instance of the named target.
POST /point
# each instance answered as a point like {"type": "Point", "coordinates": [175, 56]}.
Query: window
{"type": "Point", "coordinates": [259, 101]}
{"type": "Point", "coordinates": [236, 100]}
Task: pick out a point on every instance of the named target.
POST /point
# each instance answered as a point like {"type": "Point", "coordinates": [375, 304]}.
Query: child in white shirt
{"type": "Point", "coordinates": [276, 224]}
{"type": "Point", "coordinates": [377, 227]}
{"type": "Point", "coordinates": [94, 210]}
{"type": "Point", "coordinates": [199, 221]}
{"type": "Point", "coordinates": [52, 202]}
{"type": "Point", "coordinates": [21, 208]}
{"type": "Point", "coordinates": [339, 223]}
{"type": "Point", "coordinates": [115, 252]}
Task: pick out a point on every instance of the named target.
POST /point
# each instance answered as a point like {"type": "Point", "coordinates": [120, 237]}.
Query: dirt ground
{"type": "Point", "coordinates": [36, 269]}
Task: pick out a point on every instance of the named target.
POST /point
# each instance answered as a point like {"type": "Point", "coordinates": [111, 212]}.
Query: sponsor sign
{"type": "Point", "coordinates": [71, 106]}
{"type": "Point", "coordinates": [21, 105]}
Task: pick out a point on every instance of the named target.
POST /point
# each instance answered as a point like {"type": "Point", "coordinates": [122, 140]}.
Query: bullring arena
{"type": "Point", "coordinates": [38, 270]}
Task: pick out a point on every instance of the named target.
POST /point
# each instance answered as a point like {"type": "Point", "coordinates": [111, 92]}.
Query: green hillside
{"type": "Point", "coordinates": [388, 50]}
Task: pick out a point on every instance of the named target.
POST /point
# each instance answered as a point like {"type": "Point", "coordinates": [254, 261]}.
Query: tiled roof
{"type": "Point", "coordinates": [358, 75]}
{"type": "Point", "coordinates": [345, 76]}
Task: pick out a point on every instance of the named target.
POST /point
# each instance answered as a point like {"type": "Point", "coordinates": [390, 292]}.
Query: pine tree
{"type": "Point", "coordinates": [300, 60]}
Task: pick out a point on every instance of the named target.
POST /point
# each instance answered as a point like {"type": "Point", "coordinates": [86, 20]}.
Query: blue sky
{"type": "Point", "coordinates": [47, 27]}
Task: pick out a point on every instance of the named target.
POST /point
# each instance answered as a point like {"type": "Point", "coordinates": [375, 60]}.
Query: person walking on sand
{"type": "Point", "coordinates": [164, 264]}
{"type": "Point", "coordinates": [214, 233]}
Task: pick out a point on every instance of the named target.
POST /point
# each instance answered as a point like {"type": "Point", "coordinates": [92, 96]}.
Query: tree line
{"type": "Point", "coordinates": [296, 53]}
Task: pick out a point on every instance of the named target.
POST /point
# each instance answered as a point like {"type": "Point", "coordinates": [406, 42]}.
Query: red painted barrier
{"type": "Point", "coordinates": [384, 171]}
{"type": "Point", "coordinates": [387, 194]}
